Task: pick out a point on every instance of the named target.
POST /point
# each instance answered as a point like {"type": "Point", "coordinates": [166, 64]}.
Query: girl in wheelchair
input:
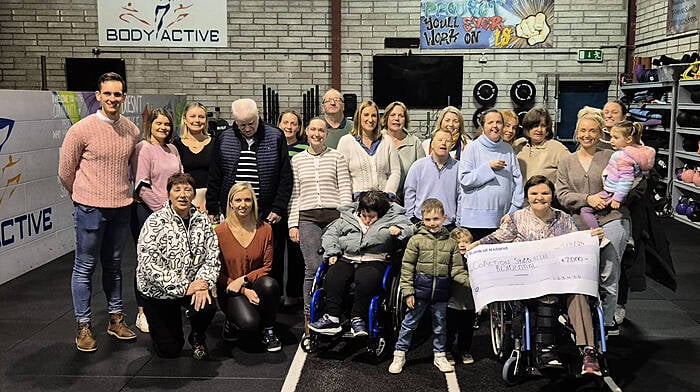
{"type": "Point", "coordinates": [538, 221]}
{"type": "Point", "coordinates": [356, 246]}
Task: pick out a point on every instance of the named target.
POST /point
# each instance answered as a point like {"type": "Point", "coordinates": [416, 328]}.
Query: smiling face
{"type": "Point", "coordinates": [588, 133]}
{"type": "Point", "coordinates": [396, 119]}
{"type": "Point", "coordinates": [540, 198]}
{"type": "Point", "coordinates": [450, 121]}
{"type": "Point", "coordinates": [160, 130]}
{"type": "Point", "coordinates": [181, 196]}
{"type": "Point", "coordinates": [242, 204]}
{"type": "Point", "coordinates": [111, 96]}
{"type": "Point", "coordinates": [196, 120]}
{"type": "Point", "coordinates": [433, 220]}
{"type": "Point", "coordinates": [509, 130]}
{"type": "Point", "coordinates": [493, 126]}
{"type": "Point", "coordinates": [316, 133]}
{"type": "Point", "coordinates": [332, 103]}
{"type": "Point", "coordinates": [289, 124]}
{"type": "Point", "coordinates": [612, 113]}
{"type": "Point", "coordinates": [368, 120]}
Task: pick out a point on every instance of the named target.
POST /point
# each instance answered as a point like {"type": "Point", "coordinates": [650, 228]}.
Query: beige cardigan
{"type": "Point", "coordinates": [381, 171]}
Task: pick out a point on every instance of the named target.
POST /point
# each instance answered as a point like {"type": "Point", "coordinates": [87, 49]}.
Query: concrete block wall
{"type": "Point", "coordinates": [651, 27]}
{"type": "Point", "coordinates": [286, 45]}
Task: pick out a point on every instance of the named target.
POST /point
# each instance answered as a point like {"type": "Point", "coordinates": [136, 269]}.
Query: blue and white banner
{"type": "Point", "coordinates": [186, 23]}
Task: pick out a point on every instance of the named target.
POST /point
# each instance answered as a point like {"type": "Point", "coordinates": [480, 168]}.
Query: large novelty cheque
{"type": "Point", "coordinates": [519, 270]}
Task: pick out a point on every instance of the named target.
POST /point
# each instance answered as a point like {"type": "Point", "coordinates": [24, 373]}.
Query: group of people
{"type": "Point", "coordinates": [220, 218]}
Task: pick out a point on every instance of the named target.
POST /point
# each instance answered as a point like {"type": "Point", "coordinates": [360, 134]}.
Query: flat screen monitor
{"type": "Point", "coordinates": [423, 82]}
{"type": "Point", "coordinates": [82, 73]}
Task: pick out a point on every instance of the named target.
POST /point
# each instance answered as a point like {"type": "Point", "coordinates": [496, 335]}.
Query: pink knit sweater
{"type": "Point", "coordinates": [94, 161]}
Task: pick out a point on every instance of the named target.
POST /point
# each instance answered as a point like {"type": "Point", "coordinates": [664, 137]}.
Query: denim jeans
{"type": "Point", "coordinates": [410, 322]}
{"type": "Point", "coordinates": [100, 234]}
{"type": "Point", "coordinates": [617, 231]}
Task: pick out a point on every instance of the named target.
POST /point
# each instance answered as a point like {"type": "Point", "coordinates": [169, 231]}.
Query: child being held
{"type": "Point", "coordinates": [460, 309]}
{"type": "Point", "coordinates": [625, 169]}
{"type": "Point", "coordinates": [430, 261]}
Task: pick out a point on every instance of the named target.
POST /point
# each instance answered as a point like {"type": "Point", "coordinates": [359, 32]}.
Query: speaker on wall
{"type": "Point", "coordinates": [82, 73]}
{"type": "Point", "coordinates": [350, 102]}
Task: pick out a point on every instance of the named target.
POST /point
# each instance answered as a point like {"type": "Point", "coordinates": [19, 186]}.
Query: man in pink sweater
{"type": "Point", "coordinates": [94, 168]}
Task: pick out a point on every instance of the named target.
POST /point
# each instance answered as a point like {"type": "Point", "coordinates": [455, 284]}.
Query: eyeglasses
{"type": "Point", "coordinates": [333, 100]}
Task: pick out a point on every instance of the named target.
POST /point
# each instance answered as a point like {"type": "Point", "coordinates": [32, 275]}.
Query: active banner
{"type": "Point", "coordinates": [473, 24]}
{"type": "Point", "coordinates": [520, 270]}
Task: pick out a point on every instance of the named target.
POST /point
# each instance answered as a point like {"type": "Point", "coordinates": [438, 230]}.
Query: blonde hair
{"type": "Point", "coordinates": [237, 188]}
{"type": "Point", "coordinates": [629, 129]}
{"type": "Point", "coordinates": [460, 232]}
{"type": "Point", "coordinates": [389, 109]}
{"type": "Point", "coordinates": [184, 130]}
{"type": "Point", "coordinates": [589, 113]}
{"type": "Point", "coordinates": [356, 123]}
{"type": "Point", "coordinates": [460, 118]}
{"type": "Point", "coordinates": [510, 115]}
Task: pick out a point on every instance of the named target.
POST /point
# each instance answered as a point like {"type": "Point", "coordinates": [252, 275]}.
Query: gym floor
{"type": "Point", "coordinates": [658, 349]}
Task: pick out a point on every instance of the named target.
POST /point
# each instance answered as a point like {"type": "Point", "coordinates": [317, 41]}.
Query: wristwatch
{"type": "Point", "coordinates": [246, 281]}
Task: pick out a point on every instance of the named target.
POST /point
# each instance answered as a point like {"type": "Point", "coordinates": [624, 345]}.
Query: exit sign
{"type": "Point", "coordinates": [590, 55]}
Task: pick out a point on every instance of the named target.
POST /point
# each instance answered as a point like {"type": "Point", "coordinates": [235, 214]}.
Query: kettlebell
{"type": "Point", "coordinates": [691, 207]}
{"type": "Point", "coordinates": [678, 172]}
{"type": "Point", "coordinates": [696, 178]}
{"type": "Point", "coordinates": [682, 205]}
{"type": "Point", "coordinates": [687, 175]}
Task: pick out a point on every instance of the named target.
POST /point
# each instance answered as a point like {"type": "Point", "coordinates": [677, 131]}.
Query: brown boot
{"type": "Point", "coordinates": [117, 327]}
{"type": "Point", "coordinates": [307, 318]}
{"type": "Point", "coordinates": [84, 340]}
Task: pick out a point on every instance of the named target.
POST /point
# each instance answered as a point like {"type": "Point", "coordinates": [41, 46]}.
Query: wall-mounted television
{"type": "Point", "coordinates": [82, 73]}
{"type": "Point", "coordinates": [419, 81]}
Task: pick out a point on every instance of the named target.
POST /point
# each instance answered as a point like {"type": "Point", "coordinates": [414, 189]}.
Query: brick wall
{"type": "Point", "coordinates": [651, 27]}
{"type": "Point", "coordinates": [286, 44]}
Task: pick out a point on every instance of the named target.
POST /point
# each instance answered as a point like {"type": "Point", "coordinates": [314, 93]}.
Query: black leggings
{"type": "Point", "coordinates": [367, 277]}
{"type": "Point", "coordinates": [248, 317]}
{"type": "Point", "coordinates": [165, 323]}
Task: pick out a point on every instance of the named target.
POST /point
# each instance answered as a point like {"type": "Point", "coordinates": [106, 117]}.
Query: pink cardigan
{"type": "Point", "coordinates": [94, 161]}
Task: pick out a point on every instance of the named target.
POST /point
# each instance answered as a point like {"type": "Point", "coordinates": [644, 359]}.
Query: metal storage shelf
{"type": "Point", "coordinates": [686, 186]}
{"type": "Point", "coordinates": [684, 219]}
{"type": "Point", "coordinates": [642, 86]}
{"type": "Point", "coordinates": [687, 155]}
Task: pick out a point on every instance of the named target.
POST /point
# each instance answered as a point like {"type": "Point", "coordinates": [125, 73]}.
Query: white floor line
{"type": "Point", "coordinates": [452, 383]}
{"type": "Point", "coordinates": [290, 383]}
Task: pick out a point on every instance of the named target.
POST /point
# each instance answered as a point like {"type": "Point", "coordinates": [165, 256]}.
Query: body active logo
{"type": "Point", "coordinates": [161, 23]}
{"type": "Point", "coordinates": [8, 170]}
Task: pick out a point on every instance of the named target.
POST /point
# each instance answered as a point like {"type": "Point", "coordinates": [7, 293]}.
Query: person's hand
{"type": "Point", "coordinates": [214, 219]}
{"type": "Point", "coordinates": [197, 285]}
{"type": "Point", "coordinates": [332, 260]}
{"type": "Point", "coordinates": [200, 299]}
{"type": "Point", "coordinates": [596, 202]}
{"type": "Point", "coordinates": [534, 29]}
{"type": "Point", "coordinates": [273, 218]}
{"type": "Point", "coordinates": [202, 209]}
{"type": "Point", "coordinates": [410, 301]}
{"type": "Point", "coordinates": [252, 296]}
{"type": "Point", "coordinates": [598, 232]}
{"type": "Point", "coordinates": [497, 164]}
{"type": "Point", "coordinates": [472, 245]}
{"type": "Point", "coordinates": [235, 286]}
{"type": "Point", "coordinates": [615, 205]}
{"type": "Point", "coordinates": [294, 234]}
{"type": "Point", "coordinates": [394, 230]}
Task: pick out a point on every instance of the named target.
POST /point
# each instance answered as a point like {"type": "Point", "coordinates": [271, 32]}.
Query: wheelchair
{"type": "Point", "coordinates": [385, 312]}
{"type": "Point", "coordinates": [512, 328]}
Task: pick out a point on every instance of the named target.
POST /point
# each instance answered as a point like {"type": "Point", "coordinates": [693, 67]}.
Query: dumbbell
{"type": "Point", "coordinates": [682, 205]}
{"type": "Point", "coordinates": [692, 208]}
{"type": "Point", "coordinates": [696, 177]}
{"type": "Point", "coordinates": [687, 175]}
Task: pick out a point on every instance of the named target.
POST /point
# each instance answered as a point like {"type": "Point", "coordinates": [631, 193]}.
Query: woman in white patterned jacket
{"type": "Point", "coordinates": [178, 264]}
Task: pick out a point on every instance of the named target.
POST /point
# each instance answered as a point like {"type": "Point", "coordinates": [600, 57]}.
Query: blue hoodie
{"type": "Point", "coordinates": [486, 195]}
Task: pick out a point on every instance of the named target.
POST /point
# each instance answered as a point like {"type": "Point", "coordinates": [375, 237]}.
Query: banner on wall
{"type": "Point", "coordinates": [682, 16]}
{"type": "Point", "coordinates": [478, 24]}
{"type": "Point", "coordinates": [187, 23]}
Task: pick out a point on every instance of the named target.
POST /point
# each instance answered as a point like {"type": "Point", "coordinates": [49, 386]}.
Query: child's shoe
{"type": "Point", "coordinates": [440, 362]}
{"type": "Point", "coordinates": [467, 359]}
{"type": "Point", "coordinates": [451, 357]}
{"type": "Point", "coordinates": [397, 364]}
{"type": "Point", "coordinates": [326, 325]}
{"type": "Point", "coordinates": [358, 327]}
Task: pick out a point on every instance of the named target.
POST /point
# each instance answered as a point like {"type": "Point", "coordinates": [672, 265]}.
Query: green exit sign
{"type": "Point", "coordinates": [590, 55]}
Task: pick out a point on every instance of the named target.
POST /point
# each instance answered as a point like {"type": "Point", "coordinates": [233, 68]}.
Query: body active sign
{"type": "Point", "coordinates": [473, 24]}
{"type": "Point", "coordinates": [188, 23]}
{"type": "Point", "coordinates": [566, 264]}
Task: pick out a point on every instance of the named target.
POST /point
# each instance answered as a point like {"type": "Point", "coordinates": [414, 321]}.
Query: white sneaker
{"type": "Point", "coordinates": [440, 361]}
{"type": "Point", "coordinates": [619, 314]}
{"type": "Point", "coordinates": [397, 364]}
{"type": "Point", "coordinates": [467, 359]}
{"type": "Point", "coordinates": [142, 323]}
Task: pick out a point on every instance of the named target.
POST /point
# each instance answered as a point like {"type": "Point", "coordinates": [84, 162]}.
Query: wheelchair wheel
{"type": "Point", "coordinates": [377, 347]}
{"type": "Point", "coordinates": [510, 371]}
{"type": "Point", "coordinates": [309, 344]}
{"type": "Point", "coordinates": [500, 329]}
